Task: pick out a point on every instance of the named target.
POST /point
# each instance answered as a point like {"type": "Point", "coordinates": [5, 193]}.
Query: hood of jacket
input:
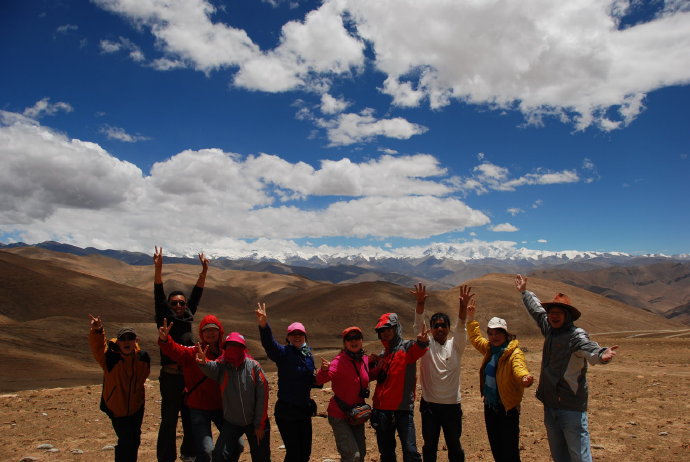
{"type": "Point", "coordinates": [211, 319]}
{"type": "Point", "coordinates": [390, 320]}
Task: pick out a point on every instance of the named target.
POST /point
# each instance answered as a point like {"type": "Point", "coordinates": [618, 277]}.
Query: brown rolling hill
{"type": "Point", "coordinates": [46, 298]}
{"type": "Point", "coordinates": [662, 288]}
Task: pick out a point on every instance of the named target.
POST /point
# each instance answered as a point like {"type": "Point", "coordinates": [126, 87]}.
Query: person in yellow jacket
{"type": "Point", "coordinates": [503, 376]}
{"type": "Point", "coordinates": [125, 369]}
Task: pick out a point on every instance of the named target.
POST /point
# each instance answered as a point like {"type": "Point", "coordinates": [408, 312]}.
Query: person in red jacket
{"type": "Point", "coordinates": [202, 394]}
{"type": "Point", "coordinates": [125, 370]}
{"type": "Point", "coordinates": [395, 372]}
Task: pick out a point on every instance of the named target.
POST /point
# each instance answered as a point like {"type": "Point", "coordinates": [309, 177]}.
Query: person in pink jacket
{"type": "Point", "coordinates": [202, 394]}
{"type": "Point", "coordinates": [349, 374]}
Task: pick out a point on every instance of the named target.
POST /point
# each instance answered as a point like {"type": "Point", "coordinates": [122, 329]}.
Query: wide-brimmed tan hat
{"type": "Point", "coordinates": [562, 301]}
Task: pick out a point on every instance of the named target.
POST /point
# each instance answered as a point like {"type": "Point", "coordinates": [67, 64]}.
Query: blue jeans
{"type": "Point", "coordinates": [200, 421]}
{"type": "Point", "coordinates": [435, 417]}
{"type": "Point", "coordinates": [386, 423]}
{"type": "Point", "coordinates": [568, 435]}
{"type": "Point", "coordinates": [349, 439]}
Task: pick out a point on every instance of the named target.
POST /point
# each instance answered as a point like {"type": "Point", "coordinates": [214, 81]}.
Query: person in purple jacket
{"type": "Point", "coordinates": [349, 374]}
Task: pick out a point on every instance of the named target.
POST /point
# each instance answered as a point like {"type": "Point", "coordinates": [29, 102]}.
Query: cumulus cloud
{"type": "Point", "coordinates": [504, 228]}
{"type": "Point", "coordinates": [54, 187]}
{"type": "Point", "coordinates": [540, 57]}
{"type": "Point", "coordinates": [331, 105]}
{"type": "Point", "coordinates": [542, 241]}
{"type": "Point", "coordinates": [515, 211]}
{"type": "Point", "coordinates": [44, 171]}
{"type": "Point", "coordinates": [44, 107]}
{"type": "Point", "coordinates": [357, 128]}
{"type": "Point", "coordinates": [117, 133]}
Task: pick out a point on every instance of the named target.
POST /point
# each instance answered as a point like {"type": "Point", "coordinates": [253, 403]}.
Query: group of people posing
{"type": "Point", "coordinates": [217, 382]}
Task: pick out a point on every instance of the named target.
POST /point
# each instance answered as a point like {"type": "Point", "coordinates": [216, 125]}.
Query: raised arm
{"type": "Point", "coordinates": [273, 349]}
{"type": "Point", "coordinates": [532, 304]}
{"type": "Point", "coordinates": [97, 341]}
{"type": "Point", "coordinates": [419, 293]}
{"type": "Point", "coordinates": [480, 343]}
{"type": "Point", "coordinates": [204, 269]}
{"type": "Point", "coordinates": [158, 265]}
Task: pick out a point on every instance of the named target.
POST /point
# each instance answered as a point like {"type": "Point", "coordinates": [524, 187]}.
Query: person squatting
{"type": "Point", "coordinates": [216, 382]}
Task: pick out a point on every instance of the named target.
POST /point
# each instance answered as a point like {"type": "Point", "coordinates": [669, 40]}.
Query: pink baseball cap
{"type": "Point", "coordinates": [296, 326]}
{"type": "Point", "coordinates": [235, 337]}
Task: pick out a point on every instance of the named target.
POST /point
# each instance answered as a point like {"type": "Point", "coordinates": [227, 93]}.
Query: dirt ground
{"type": "Point", "coordinates": [639, 410]}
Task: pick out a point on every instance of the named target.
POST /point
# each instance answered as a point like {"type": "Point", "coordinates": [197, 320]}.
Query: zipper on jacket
{"type": "Point", "coordinates": [239, 393]}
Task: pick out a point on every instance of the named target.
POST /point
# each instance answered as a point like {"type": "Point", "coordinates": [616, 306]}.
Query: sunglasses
{"type": "Point", "coordinates": [440, 325]}
{"type": "Point", "coordinates": [178, 303]}
{"type": "Point", "coordinates": [353, 337]}
{"type": "Point", "coordinates": [127, 337]}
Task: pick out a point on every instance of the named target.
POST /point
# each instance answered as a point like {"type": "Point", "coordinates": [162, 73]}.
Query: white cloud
{"type": "Point", "coordinates": [488, 176]}
{"type": "Point", "coordinates": [45, 107]}
{"type": "Point", "coordinates": [357, 128]}
{"type": "Point", "coordinates": [504, 228]}
{"type": "Point", "coordinates": [515, 211]}
{"type": "Point", "coordinates": [54, 187]}
{"type": "Point", "coordinates": [331, 105]}
{"type": "Point", "coordinates": [543, 58]}
{"type": "Point", "coordinates": [44, 171]}
{"type": "Point", "coordinates": [123, 43]}
{"type": "Point", "coordinates": [542, 241]}
{"type": "Point", "coordinates": [538, 203]}
{"type": "Point", "coordinates": [65, 28]}
{"type": "Point", "coordinates": [117, 133]}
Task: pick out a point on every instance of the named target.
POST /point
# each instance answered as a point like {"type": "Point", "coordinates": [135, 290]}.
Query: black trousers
{"type": "Point", "coordinates": [435, 417]}
{"type": "Point", "coordinates": [294, 425]}
{"type": "Point", "coordinates": [503, 429]}
{"type": "Point", "coordinates": [128, 431]}
{"type": "Point", "coordinates": [172, 406]}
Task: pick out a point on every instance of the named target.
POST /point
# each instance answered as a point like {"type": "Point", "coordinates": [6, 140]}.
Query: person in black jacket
{"type": "Point", "coordinates": [180, 310]}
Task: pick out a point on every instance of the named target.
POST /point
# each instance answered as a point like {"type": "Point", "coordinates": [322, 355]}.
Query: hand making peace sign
{"type": "Point", "coordinates": [164, 330]}
{"type": "Point", "coordinates": [96, 323]}
{"type": "Point", "coordinates": [261, 314]}
{"type": "Point", "coordinates": [200, 356]}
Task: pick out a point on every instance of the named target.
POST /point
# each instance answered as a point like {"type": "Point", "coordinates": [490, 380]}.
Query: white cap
{"type": "Point", "coordinates": [497, 323]}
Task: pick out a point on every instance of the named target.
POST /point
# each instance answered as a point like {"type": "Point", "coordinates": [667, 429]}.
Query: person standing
{"type": "Point", "coordinates": [245, 399]}
{"type": "Point", "coordinates": [180, 311]}
{"type": "Point", "coordinates": [440, 406]}
{"type": "Point", "coordinates": [202, 394]}
{"type": "Point", "coordinates": [296, 376]}
{"type": "Point", "coordinates": [503, 376]}
{"type": "Point", "coordinates": [349, 374]}
{"type": "Point", "coordinates": [563, 387]}
{"type": "Point", "coordinates": [125, 370]}
{"type": "Point", "coordinates": [395, 371]}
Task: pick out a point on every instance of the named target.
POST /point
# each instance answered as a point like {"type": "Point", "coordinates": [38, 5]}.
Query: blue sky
{"type": "Point", "coordinates": [346, 126]}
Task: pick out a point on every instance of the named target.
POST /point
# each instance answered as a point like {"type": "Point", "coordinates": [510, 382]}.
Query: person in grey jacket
{"type": "Point", "coordinates": [563, 379]}
{"type": "Point", "coordinates": [245, 399]}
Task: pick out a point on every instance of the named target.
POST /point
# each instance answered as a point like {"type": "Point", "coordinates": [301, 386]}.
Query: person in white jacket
{"type": "Point", "coordinates": [440, 377]}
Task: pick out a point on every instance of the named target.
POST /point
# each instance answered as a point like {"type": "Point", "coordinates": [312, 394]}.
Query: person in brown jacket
{"type": "Point", "coordinates": [125, 369]}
